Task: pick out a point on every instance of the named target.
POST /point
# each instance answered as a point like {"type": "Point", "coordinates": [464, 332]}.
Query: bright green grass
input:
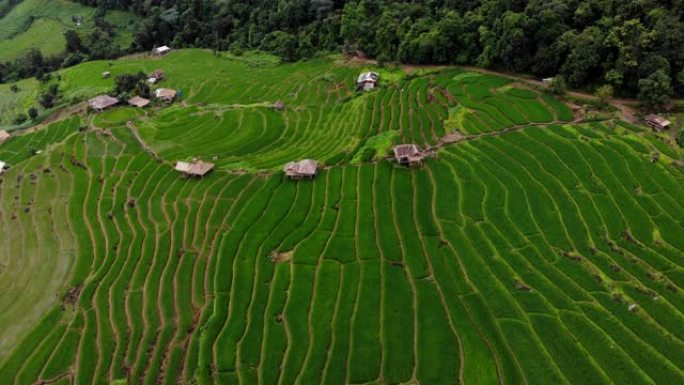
{"type": "Point", "coordinates": [46, 35]}
{"type": "Point", "coordinates": [116, 117]}
{"type": "Point", "coordinates": [382, 307]}
{"type": "Point", "coordinates": [508, 258]}
{"type": "Point", "coordinates": [41, 24]}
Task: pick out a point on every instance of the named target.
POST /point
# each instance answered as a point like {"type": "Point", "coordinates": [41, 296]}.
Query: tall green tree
{"type": "Point", "coordinates": [655, 90]}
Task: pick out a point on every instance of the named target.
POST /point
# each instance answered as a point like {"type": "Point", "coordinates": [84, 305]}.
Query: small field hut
{"type": "Point", "coordinates": [165, 94]}
{"type": "Point", "coordinates": [106, 75]}
{"type": "Point", "coordinates": [367, 81]}
{"type": "Point", "coordinates": [408, 155]}
{"type": "Point", "coordinates": [4, 136]}
{"type": "Point", "coordinates": [196, 168]}
{"type": "Point", "coordinates": [657, 122]}
{"type": "Point", "coordinates": [102, 102]}
{"type": "Point", "coordinates": [279, 105]}
{"type": "Point", "coordinates": [2, 167]}
{"type": "Point", "coordinates": [163, 50]}
{"type": "Point", "coordinates": [156, 77]}
{"type": "Point", "coordinates": [138, 101]}
{"type": "Point", "coordinates": [303, 169]}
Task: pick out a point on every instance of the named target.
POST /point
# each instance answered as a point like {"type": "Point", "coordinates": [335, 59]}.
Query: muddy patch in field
{"type": "Point", "coordinates": [278, 257]}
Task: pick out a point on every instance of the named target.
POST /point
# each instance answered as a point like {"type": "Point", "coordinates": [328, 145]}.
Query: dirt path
{"type": "Point", "coordinates": [147, 148]}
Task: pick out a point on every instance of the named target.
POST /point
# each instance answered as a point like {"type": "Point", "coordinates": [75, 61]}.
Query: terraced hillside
{"type": "Point", "coordinates": [515, 255]}
{"type": "Point", "coordinates": [41, 24]}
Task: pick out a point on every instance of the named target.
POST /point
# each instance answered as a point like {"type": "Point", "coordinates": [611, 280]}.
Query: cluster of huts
{"type": "Point", "coordinates": [408, 155]}
{"type": "Point", "coordinates": [165, 95]}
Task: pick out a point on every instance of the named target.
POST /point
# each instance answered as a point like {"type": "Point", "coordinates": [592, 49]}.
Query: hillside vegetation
{"type": "Point", "coordinates": [41, 24]}
{"type": "Point", "coordinates": [538, 248]}
{"type": "Point", "coordinates": [632, 45]}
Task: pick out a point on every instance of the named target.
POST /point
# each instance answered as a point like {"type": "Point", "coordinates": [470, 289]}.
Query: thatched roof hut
{"type": "Point", "coordinates": [196, 168]}
{"type": "Point", "coordinates": [165, 94]}
{"type": "Point", "coordinates": [138, 101]}
{"type": "Point", "coordinates": [657, 122]}
{"type": "Point", "coordinates": [307, 168]}
{"type": "Point", "coordinates": [102, 102]}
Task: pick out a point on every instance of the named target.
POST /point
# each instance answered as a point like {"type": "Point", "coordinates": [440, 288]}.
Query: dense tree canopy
{"type": "Point", "coordinates": [622, 43]}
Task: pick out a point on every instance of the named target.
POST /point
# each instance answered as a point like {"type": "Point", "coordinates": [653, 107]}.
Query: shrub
{"type": "Point", "coordinates": [368, 154]}
{"type": "Point", "coordinates": [32, 113]}
{"type": "Point", "coordinates": [557, 86]}
{"type": "Point", "coordinates": [604, 94]}
{"type": "Point", "coordinates": [20, 119]}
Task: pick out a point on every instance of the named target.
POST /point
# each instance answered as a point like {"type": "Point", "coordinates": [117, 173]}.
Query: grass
{"type": "Point", "coordinates": [41, 24]}
{"type": "Point", "coordinates": [116, 117]}
{"type": "Point", "coordinates": [511, 257]}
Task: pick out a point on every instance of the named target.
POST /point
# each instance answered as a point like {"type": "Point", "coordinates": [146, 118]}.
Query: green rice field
{"type": "Point", "coordinates": [41, 24]}
{"type": "Point", "coordinates": [537, 249]}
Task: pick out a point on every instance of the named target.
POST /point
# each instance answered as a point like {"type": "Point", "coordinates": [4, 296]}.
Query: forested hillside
{"type": "Point", "coordinates": [632, 45]}
{"type": "Point", "coordinates": [38, 36]}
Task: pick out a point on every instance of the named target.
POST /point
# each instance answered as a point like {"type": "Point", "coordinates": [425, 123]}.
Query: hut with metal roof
{"type": "Point", "coordinates": [367, 81]}
{"type": "Point", "coordinates": [163, 50]}
{"type": "Point", "coordinates": [156, 76]}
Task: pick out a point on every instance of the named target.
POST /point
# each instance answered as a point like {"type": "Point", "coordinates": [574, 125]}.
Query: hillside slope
{"type": "Point", "coordinates": [538, 248]}
{"type": "Point", "coordinates": [41, 24]}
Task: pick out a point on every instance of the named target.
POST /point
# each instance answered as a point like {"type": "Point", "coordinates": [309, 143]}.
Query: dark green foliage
{"type": "Point", "coordinates": [20, 118]}
{"type": "Point", "coordinates": [132, 84]}
{"type": "Point", "coordinates": [368, 155]}
{"type": "Point", "coordinates": [32, 113]}
{"type": "Point", "coordinates": [335, 159]}
{"type": "Point", "coordinates": [622, 43]}
{"type": "Point", "coordinates": [48, 98]}
{"type": "Point", "coordinates": [73, 42]}
{"type": "Point", "coordinates": [655, 90]}
{"type": "Point", "coordinates": [557, 85]}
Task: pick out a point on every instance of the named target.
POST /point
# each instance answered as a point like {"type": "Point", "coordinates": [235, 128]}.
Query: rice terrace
{"type": "Point", "coordinates": [529, 243]}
